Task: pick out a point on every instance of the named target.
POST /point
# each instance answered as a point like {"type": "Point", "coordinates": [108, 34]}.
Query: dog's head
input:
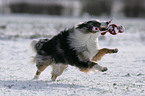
{"type": "Point", "coordinates": [94, 26]}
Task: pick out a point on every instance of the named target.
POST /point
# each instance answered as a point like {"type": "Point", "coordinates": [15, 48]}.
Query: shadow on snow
{"type": "Point", "coordinates": [35, 85]}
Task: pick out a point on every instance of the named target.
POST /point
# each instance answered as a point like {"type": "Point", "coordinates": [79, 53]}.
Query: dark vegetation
{"type": "Point", "coordinates": [132, 8]}
{"type": "Point", "coordinates": [36, 9]}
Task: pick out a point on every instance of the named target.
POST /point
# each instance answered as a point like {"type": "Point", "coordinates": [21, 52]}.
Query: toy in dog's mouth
{"type": "Point", "coordinates": [113, 29]}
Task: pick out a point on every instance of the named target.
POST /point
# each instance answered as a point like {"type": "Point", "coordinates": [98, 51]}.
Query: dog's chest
{"type": "Point", "coordinates": [92, 46]}
{"type": "Point", "coordinates": [86, 44]}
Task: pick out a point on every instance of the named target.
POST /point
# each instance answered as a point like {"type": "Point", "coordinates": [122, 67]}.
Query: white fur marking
{"type": "Point", "coordinates": [85, 42]}
{"type": "Point", "coordinates": [97, 67]}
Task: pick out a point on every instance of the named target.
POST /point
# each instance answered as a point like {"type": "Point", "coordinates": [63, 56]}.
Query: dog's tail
{"type": "Point", "coordinates": [33, 45]}
{"type": "Point", "coordinates": [33, 48]}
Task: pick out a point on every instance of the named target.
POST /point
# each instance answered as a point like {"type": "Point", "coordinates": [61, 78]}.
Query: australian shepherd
{"type": "Point", "coordinates": [77, 46]}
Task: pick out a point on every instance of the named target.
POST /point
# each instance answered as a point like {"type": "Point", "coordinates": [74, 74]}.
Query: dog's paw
{"type": "Point", "coordinates": [53, 77]}
{"type": "Point", "coordinates": [111, 50]}
{"type": "Point", "coordinates": [36, 77]}
{"type": "Point", "coordinates": [115, 50]}
{"type": "Point", "coordinates": [104, 69]}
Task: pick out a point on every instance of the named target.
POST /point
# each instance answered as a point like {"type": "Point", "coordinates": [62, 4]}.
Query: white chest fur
{"type": "Point", "coordinates": [92, 45]}
{"type": "Point", "coordinates": [87, 44]}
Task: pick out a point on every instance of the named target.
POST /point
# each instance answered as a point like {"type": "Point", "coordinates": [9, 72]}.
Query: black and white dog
{"type": "Point", "coordinates": [77, 46]}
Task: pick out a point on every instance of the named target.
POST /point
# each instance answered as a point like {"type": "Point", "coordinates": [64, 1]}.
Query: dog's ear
{"type": "Point", "coordinates": [82, 25]}
{"type": "Point", "coordinates": [86, 26]}
{"type": "Point", "coordinates": [109, 21]}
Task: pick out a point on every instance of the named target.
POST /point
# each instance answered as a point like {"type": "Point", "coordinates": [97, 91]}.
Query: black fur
{"type": "Point", "coordinates": [89, 25]}
{"type": "Point", "coordinates": [59, 49]}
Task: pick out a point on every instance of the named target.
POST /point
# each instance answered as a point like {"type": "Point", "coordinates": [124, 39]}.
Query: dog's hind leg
{"type": "Point", "coordinates": [42, 62]}
{"type": "Point", "coordinates": [57, 70]}
{"type": "Point", "coordinates": [103, 52]}
{"type": "Point", "coordinates": [40, 68]}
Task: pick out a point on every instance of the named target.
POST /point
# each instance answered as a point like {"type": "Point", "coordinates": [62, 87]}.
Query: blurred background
{"type": "Point", "coordinates": [127, 8]}
{"type": "Point", "coordinates": [45, 18]}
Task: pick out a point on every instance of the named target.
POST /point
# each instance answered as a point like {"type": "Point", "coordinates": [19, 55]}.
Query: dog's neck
{"type": "Point", "coordinates": [85, 43]}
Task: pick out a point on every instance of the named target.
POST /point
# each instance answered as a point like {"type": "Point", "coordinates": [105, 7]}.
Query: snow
{"type": "Point", "coordinates": [126, 69]}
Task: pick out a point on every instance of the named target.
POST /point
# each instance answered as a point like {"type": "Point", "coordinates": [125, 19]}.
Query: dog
{"type": "Point", "coordinates": [76, 46]}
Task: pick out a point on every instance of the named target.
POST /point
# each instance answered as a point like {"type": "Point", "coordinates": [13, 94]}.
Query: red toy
{"type": "Point", "coordinates": [113, 29]}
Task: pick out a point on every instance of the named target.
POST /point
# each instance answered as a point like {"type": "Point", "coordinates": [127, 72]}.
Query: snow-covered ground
{"type": "Point", "coordinates": [126, 69]}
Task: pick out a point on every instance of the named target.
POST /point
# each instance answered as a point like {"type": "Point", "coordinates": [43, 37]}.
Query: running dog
{"type": "Point", "coordinates": [77, 46]}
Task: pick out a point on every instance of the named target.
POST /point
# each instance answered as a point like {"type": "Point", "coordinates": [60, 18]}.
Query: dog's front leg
{"type": "Point", "coordinates": [103, 52]}
{"type": "Point", "coordinates": [92, 66]}
{"type": "Point", "coordinates": [100, 68]}
{"type": "Point", "coordinates": [95, 67]}
{"type": "Point", "coordinates": [57, 70]}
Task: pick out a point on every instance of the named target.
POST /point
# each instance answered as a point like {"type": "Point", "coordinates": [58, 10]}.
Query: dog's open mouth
{"type": "Point", "coordinates": [103, 29]}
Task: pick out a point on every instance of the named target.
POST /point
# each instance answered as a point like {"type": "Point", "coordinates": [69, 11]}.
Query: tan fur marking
{"type": "Point", "coordinates": [101, 53]}
{"type": "Point", "coordinates": [43, 67]}
{"type": "Point", "coordinates": [85, 70]}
